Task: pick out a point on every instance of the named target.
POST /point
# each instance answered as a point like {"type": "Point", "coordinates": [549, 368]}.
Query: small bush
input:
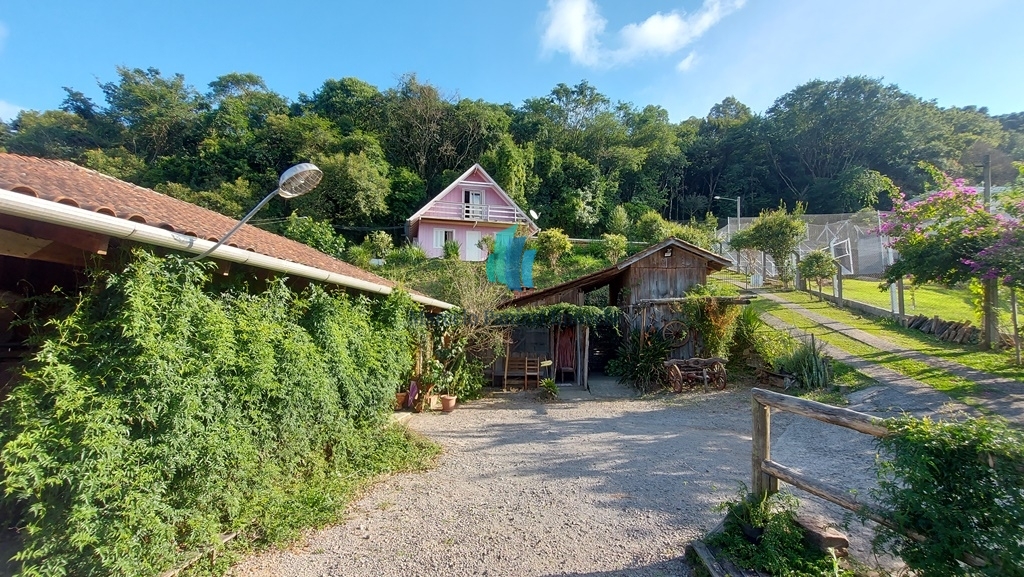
{"type": "Point", "coordinates": [407, 254]}
{"type": "Point", "coordinates": [451, 250]}
{"type": "Point", "coordinates": [640, 361]}
{"type": "Point", "coordinates": [550, 388]}
{"type": "Point", "coordinates": [712, 320]}
{"type": "Point", "coordinates": [961, 486]}
{"type": "Point", "coordinates": [809, 363]}
{"type": "Point", "coordinates": [779, 549]}
{"type": "Point", "coordinates": [379, 244]}
{"type": "Point", "coordinates": [613, 247]}
{"type": "Point", "coordinates": [358, 255]}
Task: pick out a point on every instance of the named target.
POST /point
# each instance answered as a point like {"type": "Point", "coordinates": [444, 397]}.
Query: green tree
{"type": "Point", "coordinates": [317, 234]}
{"type": "Point", "coordinates": [818, 265]}
{"type": "Point", "coordinates": [553, 243]}
{"type": "Point", "coordinates": [618, 221]}
{"type": "Point", "coordinates": [777, 233]}
{"type": "Point", "coordinates": [614, 246]}
{"type": "Point", "coordinates": [651, 228]}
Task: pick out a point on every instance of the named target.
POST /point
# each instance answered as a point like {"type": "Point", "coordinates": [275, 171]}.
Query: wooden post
{"type": "Point", "coordinates": [1016, 327]}
{"type": "Point", "coordinates": [761, 437]}
{"type": "Point", "coordinates": [586, 357]}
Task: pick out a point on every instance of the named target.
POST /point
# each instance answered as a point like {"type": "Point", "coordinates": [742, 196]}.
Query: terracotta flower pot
{"type": "Point", "coordinates": [448, 403]}
{"type": "Point", "coordinates": [433, 402]}
{"type": "Point", "coordinates": [400, 400]}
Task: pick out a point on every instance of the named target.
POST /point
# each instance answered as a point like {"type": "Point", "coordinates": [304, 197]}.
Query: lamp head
{"type": "Point", "coordinates": [299, 180]}
{"type": "Point", "coordinates": [716, 197]}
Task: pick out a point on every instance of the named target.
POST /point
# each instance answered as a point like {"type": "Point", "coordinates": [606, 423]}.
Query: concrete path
{"type": "Point", "coordinates": [1002, 396]}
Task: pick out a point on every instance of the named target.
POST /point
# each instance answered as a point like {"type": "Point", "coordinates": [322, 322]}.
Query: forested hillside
{"type": "Point", "coordinates": [571, 155]}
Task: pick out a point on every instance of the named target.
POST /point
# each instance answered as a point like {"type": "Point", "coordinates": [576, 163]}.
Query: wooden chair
{"type": "Point", "coordinates": [522, 367]}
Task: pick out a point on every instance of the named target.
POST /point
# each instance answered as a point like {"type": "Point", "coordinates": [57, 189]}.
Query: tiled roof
{"type": "Point", "coordinates": [67, 183]}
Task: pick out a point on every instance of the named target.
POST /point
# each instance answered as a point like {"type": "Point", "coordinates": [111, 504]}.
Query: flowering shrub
{"type": "Point", "coordinates": [938, 237]}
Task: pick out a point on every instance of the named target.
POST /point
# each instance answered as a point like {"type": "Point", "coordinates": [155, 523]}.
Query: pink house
{"type": "Point", "coordinates": [472, 207]}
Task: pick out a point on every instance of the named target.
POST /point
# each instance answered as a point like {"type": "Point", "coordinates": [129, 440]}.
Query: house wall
{"type": "Point", "coordinates": [659, 276]}
{"type": "Point", "coordinates": [425, 236]}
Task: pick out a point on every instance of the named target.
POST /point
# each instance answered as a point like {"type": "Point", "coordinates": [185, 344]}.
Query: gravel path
{"type": "Point", "coordinates": [585, 486]}
{"type": "Point", "coordinates": [580, 487]}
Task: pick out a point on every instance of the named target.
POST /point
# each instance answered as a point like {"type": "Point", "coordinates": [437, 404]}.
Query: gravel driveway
{"type": "Point", "coordinates": [580, 486]}
{"type": "Point", "coordinates": [524, 487]}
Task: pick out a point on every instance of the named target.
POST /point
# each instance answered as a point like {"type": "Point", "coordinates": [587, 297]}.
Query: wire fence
{"type": "Point", "coordinates": [852, 238]}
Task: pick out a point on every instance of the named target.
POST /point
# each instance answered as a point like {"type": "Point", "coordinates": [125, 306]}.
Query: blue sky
{"type": "Point", "coordinates": [684, 55]}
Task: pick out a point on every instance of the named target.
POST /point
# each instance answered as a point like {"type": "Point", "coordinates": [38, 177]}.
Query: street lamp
{"type": "Point", "coordinates": [295, 181]}
{"type": "Point", "coordinates": [737, 199]}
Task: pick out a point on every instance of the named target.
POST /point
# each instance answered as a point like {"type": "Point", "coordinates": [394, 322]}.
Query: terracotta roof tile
{"type": "Point", "coordinates": [67, 183]}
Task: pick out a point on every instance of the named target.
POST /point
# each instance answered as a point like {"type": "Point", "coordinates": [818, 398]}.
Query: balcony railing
{"type": "Point", "coordinates": [474, 212]}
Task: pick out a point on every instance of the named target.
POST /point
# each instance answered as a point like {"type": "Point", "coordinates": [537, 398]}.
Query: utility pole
{"type": "Point", "coordinates": [990, 294]}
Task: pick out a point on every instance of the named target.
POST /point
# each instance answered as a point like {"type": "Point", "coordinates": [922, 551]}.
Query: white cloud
{"type": "Point", "coordinates": [574, 27]}
{"type": "Point", "coordinates": [687, 63]}
{"type": "Point", "coordinates": [8, 111]}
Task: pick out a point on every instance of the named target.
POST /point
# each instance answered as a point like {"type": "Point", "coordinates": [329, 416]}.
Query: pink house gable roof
{"type": "Point", "coordinates": [465, 179]}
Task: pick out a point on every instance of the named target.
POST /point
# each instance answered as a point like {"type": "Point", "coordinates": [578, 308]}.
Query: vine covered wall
{"type": "Point", "coordinates": [158, 414]}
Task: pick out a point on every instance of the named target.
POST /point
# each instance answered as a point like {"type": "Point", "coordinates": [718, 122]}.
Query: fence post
{"type": "Point", "coordinates": [761, 437]}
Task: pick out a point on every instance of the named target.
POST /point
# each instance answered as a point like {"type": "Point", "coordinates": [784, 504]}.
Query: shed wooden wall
{"type": "Point", "coordinates": [660, 277]}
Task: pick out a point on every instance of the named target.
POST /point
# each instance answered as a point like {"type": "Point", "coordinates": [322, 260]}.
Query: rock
{"type": "Point", "coordinates": [821, 535]}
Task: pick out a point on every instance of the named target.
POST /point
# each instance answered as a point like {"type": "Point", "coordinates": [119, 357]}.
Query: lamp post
{"type": "Point", "coordinates": [295, 181]}
{"type": "Point", "coordinates": [737, 199]}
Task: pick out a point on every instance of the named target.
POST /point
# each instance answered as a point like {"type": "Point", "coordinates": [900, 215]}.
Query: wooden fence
{"type": "Point", "coordinates": [766, 473]}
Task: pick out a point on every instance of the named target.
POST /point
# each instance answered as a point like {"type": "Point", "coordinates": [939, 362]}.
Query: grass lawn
{"type": "Point", "coordinates": [952, 385]}
{"type": "Point", "coordinates": [951, 304]}
{"type": "Point", "coordinates": [996, 362]}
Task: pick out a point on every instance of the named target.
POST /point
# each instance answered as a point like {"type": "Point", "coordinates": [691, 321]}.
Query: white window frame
{"type": "Point", "coordinates": [473, 210]}
{"type": "Point", "coordinates": [439, 236]}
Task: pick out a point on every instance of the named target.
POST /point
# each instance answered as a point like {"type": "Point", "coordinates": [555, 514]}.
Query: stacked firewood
{"type": "Point", "coordinates": [951, 331]}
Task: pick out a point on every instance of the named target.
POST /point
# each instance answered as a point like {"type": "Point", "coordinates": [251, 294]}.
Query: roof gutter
{"type": "Point", "coordinates": [32, 208]}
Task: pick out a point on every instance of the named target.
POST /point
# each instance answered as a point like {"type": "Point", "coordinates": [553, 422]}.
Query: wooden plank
{"type": "Point", "coordinates": [710, 563]}
{"type": "Point", "coordinates": [861, 422]}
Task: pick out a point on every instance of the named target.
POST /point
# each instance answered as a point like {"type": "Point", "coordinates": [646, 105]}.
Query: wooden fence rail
{"type": "Point", "coordinates": [766, 473]}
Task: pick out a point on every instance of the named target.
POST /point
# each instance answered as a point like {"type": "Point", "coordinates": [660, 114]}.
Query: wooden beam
{"type": "Point", "coordinates": [80, 239]}
{"type": "Point", "coordinates": [861, 422]}
{"type": "Point", "coordinates": [723, 300]}
{"type": "Point", "coordinates": [31, 248]}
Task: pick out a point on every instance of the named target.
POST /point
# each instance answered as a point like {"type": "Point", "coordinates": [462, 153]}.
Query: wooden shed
{"type": "Point", "coordinates": [643, 286]}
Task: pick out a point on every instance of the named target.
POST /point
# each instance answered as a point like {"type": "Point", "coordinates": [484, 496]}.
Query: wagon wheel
{"type": "Point", "coordinates": [675, 377]}
{"type": "Point", "coordinates": [717, 375]}
{"type": "Point", "coordinates": [676, 333]}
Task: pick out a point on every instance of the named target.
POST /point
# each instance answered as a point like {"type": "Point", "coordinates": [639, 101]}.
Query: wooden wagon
{"type": "Point", "coordinates": [691, 372]}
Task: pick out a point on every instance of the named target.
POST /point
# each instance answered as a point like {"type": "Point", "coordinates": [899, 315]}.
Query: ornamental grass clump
{"type": "Point", "coordinates": [157, 415]}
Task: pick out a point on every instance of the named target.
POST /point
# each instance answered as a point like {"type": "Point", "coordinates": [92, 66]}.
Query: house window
{"type": "Point", "coordinates": [443, 235]}
{"type": "Point", "coordinates": [474, 201]}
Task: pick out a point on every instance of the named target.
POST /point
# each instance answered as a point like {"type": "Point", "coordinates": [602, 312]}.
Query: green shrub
{"type": "Point", "coordinates": [640, 361]}
{"type": "Point", "coordinates": [780, 548]}
{"type": "Point", "coordinates": [550, 388]}
{"type": "Point", "coordinates": [407, 254]}
{"type": "Point", "coordinates": [709, 318]}
{"type": "Point", "coordinates": [379, 244]}
{"type": "Point", "coordinates": [358, 255]}
{"type": "Point", "coordinates": [613, 247]}
{"type": "Point", "coordinates": [809, 363]}
{"type": "Point", "coordinates": [961, 486]}
{"type": "Point", "coordinates": [157, 415]}
{"type": "Point", "coordinates": [451, 250]}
